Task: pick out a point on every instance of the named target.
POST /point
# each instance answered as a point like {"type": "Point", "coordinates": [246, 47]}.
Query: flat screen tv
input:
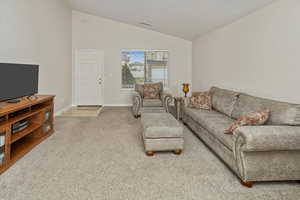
{"type": "Point", "coordinates": [18, 80]}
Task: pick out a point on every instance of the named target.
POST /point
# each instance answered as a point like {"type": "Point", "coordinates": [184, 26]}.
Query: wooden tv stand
{"type": "Point", "coordinates": [38, 111]}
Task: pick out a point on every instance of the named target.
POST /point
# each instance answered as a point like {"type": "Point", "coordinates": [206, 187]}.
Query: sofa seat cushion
{"type": "Point", "coordinates": [281, 113]}
{"type": "Point", "coordinates": [152, 103]}
{"type": "Point", "coordinates": [214, 122]}
{"type": "Point", "coordinates": [223, 100]}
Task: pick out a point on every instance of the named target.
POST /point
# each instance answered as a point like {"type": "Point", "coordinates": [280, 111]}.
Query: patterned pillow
{"type": "Point", "coordinates": [151, 91]}
{"type": "Point", "coordinates": [201, 100]}
{"type": "Point", "coordinates": [252, 119]}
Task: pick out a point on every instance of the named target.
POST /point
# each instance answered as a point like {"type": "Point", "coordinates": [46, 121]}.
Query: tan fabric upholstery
{"type": "Point", "coordinates": [150, 104]}
{"type": "Point", "coordinates": [255, 153]}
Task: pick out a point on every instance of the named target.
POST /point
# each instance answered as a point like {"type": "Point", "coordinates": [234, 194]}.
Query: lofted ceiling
{"type": "Point", "coordinates": [182, 18]}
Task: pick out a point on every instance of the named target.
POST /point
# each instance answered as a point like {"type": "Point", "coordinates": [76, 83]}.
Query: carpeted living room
{"type": "Point", "coordinates": [149, 100]}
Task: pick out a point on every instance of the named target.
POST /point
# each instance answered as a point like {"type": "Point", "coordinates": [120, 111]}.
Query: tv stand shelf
{"type": "Point", "coordinates": [38, 113]}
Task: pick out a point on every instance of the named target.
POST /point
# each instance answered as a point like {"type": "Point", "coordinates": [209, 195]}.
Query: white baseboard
{"type": "Point", "coordinates": [58, 113]}
{"type": "Point", "coordinates": [117, 105]}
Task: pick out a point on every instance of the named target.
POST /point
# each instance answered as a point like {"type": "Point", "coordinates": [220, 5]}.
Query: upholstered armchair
{"type": "Point", "coordinates": [142, 104]}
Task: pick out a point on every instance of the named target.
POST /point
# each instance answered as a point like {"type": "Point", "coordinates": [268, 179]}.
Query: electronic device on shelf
{"type": "Point", "coordinates": [19, 129]}
{"type": "Point", "coordinates": [47, 116]}
{"type": "Point", "coordinates": [19, 112]}
{"type": "Point", "coordinates": [1, 157]}
{"type": "Point", "coordinates": [2, 119]}
{"type": "Point", "coordinates": [19, 126]}
{"type": "Point", "coordinates": [2, 140]}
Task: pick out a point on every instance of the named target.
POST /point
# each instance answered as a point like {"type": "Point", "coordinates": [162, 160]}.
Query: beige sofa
{"type": "Point", "coordinates": [255, 153]}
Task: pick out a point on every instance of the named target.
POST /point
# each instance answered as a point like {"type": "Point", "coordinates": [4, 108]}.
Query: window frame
{"type": "Point", "coordinates": [167, 80]}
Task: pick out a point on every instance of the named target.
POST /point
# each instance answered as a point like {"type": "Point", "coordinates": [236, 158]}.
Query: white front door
{"type": "Point", "coordinates": [88, 77]}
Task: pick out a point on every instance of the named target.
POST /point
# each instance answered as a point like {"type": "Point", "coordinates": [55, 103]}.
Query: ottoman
{"type": "Point", "coordinates": [161, 132]}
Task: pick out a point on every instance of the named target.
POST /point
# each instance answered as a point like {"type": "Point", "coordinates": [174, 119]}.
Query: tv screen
{"type": "Point", "coordinates": [18, 80]}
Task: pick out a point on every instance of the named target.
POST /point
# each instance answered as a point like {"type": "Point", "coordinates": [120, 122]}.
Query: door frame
{"type": "Point", "coordinates": [74, 70]}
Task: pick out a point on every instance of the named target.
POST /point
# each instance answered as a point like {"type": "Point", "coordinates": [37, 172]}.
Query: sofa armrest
{"type": "Point", "coordinates": [167, 98]}
{"type": "Point", "coordinates": [268, 138]}
{"type": "Point", "coordinates": [137, 102]}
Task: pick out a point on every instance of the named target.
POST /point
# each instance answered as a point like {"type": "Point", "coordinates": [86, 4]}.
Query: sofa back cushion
{"type": "Point", "coordinates": [281, 113]}
{"type": "Point", "coordinates": [223, 100]}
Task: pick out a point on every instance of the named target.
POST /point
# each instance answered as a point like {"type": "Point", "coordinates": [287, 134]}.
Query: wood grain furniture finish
{"type": "Point", "coordinates": [38, 111]}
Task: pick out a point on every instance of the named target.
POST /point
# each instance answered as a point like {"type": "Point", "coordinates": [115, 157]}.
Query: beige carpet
{"type": "Point", "coordinates": [102, 158]}
{"type": "Point", "coordinates": [83, 111]}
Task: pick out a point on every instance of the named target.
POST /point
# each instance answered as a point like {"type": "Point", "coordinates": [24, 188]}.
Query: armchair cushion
{"type": "Point", "coordinates": [268, 138]}
{"type": "Point", "coordinates": [152, 91]}
{"type": "Point", "coordinates": [152, 103]}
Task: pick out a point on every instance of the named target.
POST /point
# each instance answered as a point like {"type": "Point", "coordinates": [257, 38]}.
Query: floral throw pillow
{"type": "Point", "coordinates": [151, 91]}
{"type": "Point", "coordinates": [252, 119]}
{"type": "Point", "coordinates": [201, 101]}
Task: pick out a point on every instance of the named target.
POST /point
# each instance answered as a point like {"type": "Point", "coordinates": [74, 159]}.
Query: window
{"type": "Point", "coordinates": [144, 66]}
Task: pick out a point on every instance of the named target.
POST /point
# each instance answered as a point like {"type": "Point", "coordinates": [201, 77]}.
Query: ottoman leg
{"type": "Point", "coordinates": [247, 184]}
{"type": "Point", "coordinates": [149, 153]}
{"type": "Point", "coordinates": [178, 151]}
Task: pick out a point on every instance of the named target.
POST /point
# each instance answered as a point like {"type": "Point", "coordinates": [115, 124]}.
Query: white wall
{"type": "Point", "coordinates": [39, 32]}
{"type": "Point", "coordinates": [92, 32]}
{"type": "Point", "coordinates": [259, 54]}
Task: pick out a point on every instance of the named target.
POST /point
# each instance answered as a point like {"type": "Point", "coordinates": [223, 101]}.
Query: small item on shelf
{"type": "Point", "coordinates": [19, 129]}
{"type": "Point", "coordinates": [47, 116]}
{"type": "Point", "coordinates": [1, 157]}
{"type": "Point", "coordinates": [19, 126]}
{"type": "Point", "coordinates": [186, 88]}
{"type": "Point", "coordinates": [2, 139]}
{"type": "Point", "coordinates": [19, 112]}
{"type": "Point", "coordinates": [47, 128]}
{"type": "Point", "coordinates": [2, 119]}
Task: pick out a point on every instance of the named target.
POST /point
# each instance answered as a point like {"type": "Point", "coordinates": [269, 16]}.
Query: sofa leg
{"type": "Point", "coordinates": [178, 151]}
{"type": "Point", "coordinates": [137, 116]}
{"type": "Point", "coordinates": [149, 153]}
{"type": "Point", "coordinates": [247, 184]}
